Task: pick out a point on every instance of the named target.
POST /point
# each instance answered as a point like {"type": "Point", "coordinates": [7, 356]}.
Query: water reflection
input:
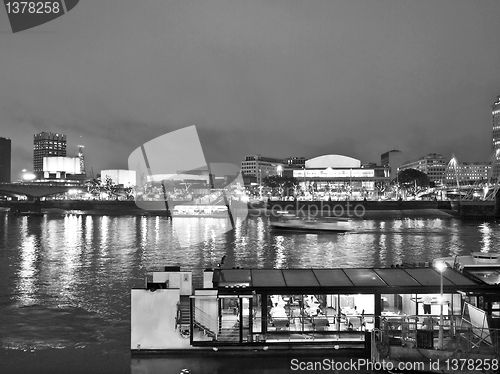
{"type": "Point", "coordinates": [486, 231]}
{"type": "Point", "coordinates": [84, 266]}
{"type": "Point", "coordinates": [27, 287]}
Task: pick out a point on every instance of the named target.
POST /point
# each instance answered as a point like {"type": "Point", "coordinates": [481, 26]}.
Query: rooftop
{"type": "Point", "coordinates": [356, 280]}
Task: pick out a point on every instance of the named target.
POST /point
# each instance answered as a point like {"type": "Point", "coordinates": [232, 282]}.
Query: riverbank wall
{"type": "Point", "coordinates": [350, 209]}
{"type": "Point", "coordinates": [363, 209]}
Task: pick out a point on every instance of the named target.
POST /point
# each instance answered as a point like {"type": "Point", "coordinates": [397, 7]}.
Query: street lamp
{"type": "Point", "coordinates": [27, 176]}
{"type": "Point", "coordinates": [441, 266]}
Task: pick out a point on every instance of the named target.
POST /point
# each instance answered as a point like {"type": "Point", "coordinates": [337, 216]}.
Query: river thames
{"type": "Point", "coordinates": [66, 278]}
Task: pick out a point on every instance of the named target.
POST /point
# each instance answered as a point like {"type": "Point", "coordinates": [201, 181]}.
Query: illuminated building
{"type": "Point", "coordinates": [432, 164]}
{"type": "Point", "coordinates": [126, 178]}
{"type": "Point", "coordinates": [467, 172]}
{"type": "Point", "coordinates": [262, 167]}
{"type": "Point", "coordinates": [47, 144]}
{"type": "Point", "coordinates": [61, 168]}
{"type": "Point", "coordinates": [341, 177]}
{"type": "Point", "coordinates": [5, 160]}
{"type": "Point", "coordinates": [495, 114]}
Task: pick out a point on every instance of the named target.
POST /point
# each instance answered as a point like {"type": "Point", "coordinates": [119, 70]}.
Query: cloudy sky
{"type": "Point", "coordinates": [280, 78]}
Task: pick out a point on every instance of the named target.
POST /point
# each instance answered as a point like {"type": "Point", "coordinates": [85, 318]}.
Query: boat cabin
{"type": "Point", "coordinates": [305, 307]}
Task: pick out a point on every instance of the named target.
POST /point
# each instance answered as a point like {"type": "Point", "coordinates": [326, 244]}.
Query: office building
{"type": "Point", "coordinates": [46, 144]}
{"type": "Point", "coordinates": [5, 160]}
{"type": "Point", "coordinates": [262, 167]}
{"type": "Point", "coordinates": [495, 114]}
{"type": "Point", "coordinates": [432, 164]}
{"type": "Point", "coordinates": [467, 173]}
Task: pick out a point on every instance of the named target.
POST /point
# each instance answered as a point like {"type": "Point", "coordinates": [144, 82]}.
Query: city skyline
{"type": "Point", "coordinates": [288, 78]}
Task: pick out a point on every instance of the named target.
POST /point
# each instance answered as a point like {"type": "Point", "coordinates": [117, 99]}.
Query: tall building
{"type": "Point", "coordinates": [495, 113]}
{"type": "Point", "coordinates": [432, 164]}
{"type": "Point", "coordinates": [47, 144]}
{"type": "Point", "coordinates": [5, 159]}
{"type": "Point", "coordinates": [392, 160]}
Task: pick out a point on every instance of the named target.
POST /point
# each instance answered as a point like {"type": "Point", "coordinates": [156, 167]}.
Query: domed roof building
{"type": "Point", "coordinates": [340, 177]}
{"type": "Point", "coordinates": [332, 161]}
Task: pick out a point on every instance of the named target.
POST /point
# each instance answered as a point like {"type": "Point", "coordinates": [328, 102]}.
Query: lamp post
{"type": "Point", "coordinates": [441, 266]}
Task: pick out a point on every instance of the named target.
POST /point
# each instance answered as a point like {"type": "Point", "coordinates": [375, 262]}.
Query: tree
{"type": "Point", "coordinates": [94, 187]}
{"type": "Point", "coordinates": [110, 186]}
{"type": "Point", "coordinates": [381, 187]}
{"type": "Point", "coordinates": [412, 181]}
{"type": "Point", "coordinates": [284, 185]}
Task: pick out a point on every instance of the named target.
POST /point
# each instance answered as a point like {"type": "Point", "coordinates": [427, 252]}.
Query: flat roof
{"type": "Point", "coordinates": [349, 279]}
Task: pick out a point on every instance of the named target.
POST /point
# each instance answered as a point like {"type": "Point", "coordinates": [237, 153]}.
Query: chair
{"type": "Point", "coordinates": [321, 322]}
{"type": "Point", "coordinates": [355, 323]}
{"type": "Point", "coordinates": [280, 323]}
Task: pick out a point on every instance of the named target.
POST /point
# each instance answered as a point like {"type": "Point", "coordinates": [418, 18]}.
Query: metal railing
{"type": "Point", "coordinates": [205, 321]}
{"type": "Point", "coordinates": [423, 332]}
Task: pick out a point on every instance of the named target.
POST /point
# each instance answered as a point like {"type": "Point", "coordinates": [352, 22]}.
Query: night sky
{"type": "Point", "coordinates": [280, 78]}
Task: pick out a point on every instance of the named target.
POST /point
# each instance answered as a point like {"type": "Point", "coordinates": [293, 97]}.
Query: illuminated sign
{"type": "Point", "coordinates": [334, 173]}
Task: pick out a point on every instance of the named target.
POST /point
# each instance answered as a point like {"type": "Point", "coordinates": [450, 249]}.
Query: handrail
{"type": "Point", "coordinates": [205, 320]}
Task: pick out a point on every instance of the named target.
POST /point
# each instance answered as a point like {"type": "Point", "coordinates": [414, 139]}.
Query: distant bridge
{"type": "Point", "coordinates": [34, 189]}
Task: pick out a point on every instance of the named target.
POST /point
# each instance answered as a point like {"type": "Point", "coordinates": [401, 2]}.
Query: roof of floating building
{"type": "Point", "coordinates": [332, 161]}
{"type": "Point", "coordinates": [356, 280]}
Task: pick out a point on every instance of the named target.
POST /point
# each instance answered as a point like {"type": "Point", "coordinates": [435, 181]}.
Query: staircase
{"type": "Point", "coordinates": [205, 322]}
{"type": "Point", "coordinates": [183, 317]}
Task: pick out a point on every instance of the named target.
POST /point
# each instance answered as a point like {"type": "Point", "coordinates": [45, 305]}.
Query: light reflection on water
{"type": "Point", "coordinates": [66, 279]}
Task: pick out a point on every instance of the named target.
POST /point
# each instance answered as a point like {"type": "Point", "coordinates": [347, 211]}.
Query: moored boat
{"type": "Point", "coordinates": [200, 211]}
{"type": "Point", "coordinates": [294, 223]}
{"type": "Point", "coordinates": [389, 315]}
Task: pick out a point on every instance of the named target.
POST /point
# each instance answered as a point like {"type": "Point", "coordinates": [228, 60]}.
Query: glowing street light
{"type": "Point", "coordinates": [279, 169]}
{"type": "Point", "coordinates": [441, 266]}
{"type": "Point", "coordinates": [28, 176]}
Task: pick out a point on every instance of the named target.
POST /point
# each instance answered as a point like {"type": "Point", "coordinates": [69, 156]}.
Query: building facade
{"type": "Point", "coordinates": [5, 160]}
{"type": "Point", "coordinates": [262, 167]}
{"type": "Point", "coordinates": [495, 114]}
{"type": "Point", "coordinates": [126, 178]}
{"type": "Point", "coordinates": [432, 164]}
{"type": "Point", "coordinates": [47, 144]}
{"type": "Point", "coordinates": [340, 177]}
{"type": "Point", "coordinates": [392, 160]}
{"type": "Point", "coordinates": [467, 173]}
{"type": "Point", "coordinates": [57, 167]}
{"type": "Point", "coordinates": [295, 162]}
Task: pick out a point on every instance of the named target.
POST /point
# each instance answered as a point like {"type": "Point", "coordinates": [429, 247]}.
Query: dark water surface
{"type": "Point", "coordinates": [65, 279]}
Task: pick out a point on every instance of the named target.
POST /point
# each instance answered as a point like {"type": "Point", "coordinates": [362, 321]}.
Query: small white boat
{"type": "Point", "coordinates": [474, 260]}
{"type": "Point", "coordinates": [200, 211]}
{"type": "Point", "coordinates": [294, 223]}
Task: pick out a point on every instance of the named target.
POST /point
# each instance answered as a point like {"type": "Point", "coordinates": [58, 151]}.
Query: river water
{"type": "Point", "coordinates": [66, 278]}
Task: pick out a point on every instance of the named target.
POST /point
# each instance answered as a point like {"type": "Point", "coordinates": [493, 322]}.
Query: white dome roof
{"type": "Point", "coordinates": [332, 161]}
